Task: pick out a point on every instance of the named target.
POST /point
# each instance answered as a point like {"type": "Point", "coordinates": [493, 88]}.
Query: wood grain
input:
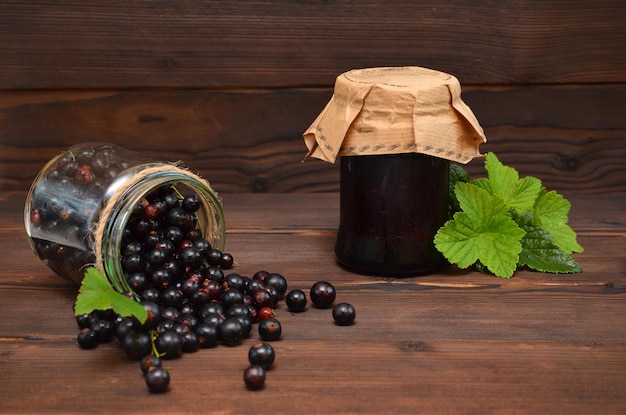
{"type": "Point", "coordinates": [251, 141]}
{"type": "Point", "coordinates": [191, 44]}
{"type": "Point", "coordinates": [558, 341]}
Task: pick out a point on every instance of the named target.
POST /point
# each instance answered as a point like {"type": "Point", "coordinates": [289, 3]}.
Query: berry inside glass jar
{"type": "Point", "coordinates": [140, 221]}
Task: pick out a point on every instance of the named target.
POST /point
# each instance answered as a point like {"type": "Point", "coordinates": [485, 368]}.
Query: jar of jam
{"type": "Point", "coordinates": [391, 206]}
{"type": "Point", "coordinates": [395, 131]}
{"type": "Point", "coordinates": [84, 203]}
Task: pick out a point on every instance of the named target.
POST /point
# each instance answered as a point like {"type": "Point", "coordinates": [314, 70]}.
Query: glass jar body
{"type": "Point", "coordinates": [391, 207]}
{"type": "Point", "coordinates": [79, 206]}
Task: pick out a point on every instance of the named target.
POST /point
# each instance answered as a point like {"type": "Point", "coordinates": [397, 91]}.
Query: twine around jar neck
{"type": "Point", "coordinates": [111, 209]}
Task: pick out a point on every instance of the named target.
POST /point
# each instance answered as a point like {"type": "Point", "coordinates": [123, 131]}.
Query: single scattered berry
{"type": "Point", "coordinates": [158, 380]}
{"type": "Point", "coordinates": [296, 301]}
{"type": "Point", "coordinates": [262, 354]}
{"type": "Point", "coordinates": [323, 294]}
{"type": "Point", "coordinates": [270, 329]}
{"type": "Point", "coordinates": [344, 314]}
{"type": "Point", "coordinates": [254, 377]}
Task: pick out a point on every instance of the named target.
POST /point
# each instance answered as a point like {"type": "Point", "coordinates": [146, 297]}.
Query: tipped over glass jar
{"type": "Point", "coordinates": [85, 201]}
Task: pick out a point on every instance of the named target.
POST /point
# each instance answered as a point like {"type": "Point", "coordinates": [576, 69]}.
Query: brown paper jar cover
{"type": "Point", "coordinates": [395, 110]}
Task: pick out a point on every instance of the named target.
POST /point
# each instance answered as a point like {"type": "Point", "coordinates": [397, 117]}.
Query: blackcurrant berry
{"type": "Point", "coordinates": [190, 257]}
{"type": "Point", "coordinates": [235, 281]}
{"type": "Point", "coordinates": [137, 281]}
{"type": "Point", "coordinates": [211, 308]}
{"type": "Point", "coordinates": [171, 314]}
{"type": "Point", "coordinates": [227, 261]}
{"type": "Point", "coordinates": [262, 298]}
{"type": "Point", "coordinates": [158, 380]}
{"type": "Point", "coordinates": [322, 294]}
{"type": "Point", "coordinates": [149, 362]}
{"type": "Point", "coordinates": [172, 297]}
{"type": "Point", "coordinates": [213, 257]}
{"type": "Point", "coordinates": [238, 309]}
{"type": "Point", "coordinates": [137, 344]}
{"type": "Point", "coordinates": [260, 275]}
{"type": "Point", "coordinates": [161, 278]}
{"type": "Point", "coordinates": [156, 257]}
{"type": "Point", "coordinates": [270, 329]}
{"type": "Point", "coordinates": [154, 315]}
{"type": "Point", "coordinates": [191, 203]}
{"type": "Point", "coordinates": [254, 377]}
{"type": "Point", "coordinates": [278, 282]}
{"type": "Point", "coordinates": [214, 274]}
{"type": "Point", "coordinates": [231, 331]}
{"type": "Point", "coordinates": [246, 323]}
{"type": "Point", "coordinates": [231, 297]}
{"type": "Point", "coordinates": [87, 338]}
{"type": "Point", "coordinates": [84, 320]}
{"type": "Point", "coordinates": [202, 245]}
{"type": "Point", "coordinates": [150, 294]}
{"type": "Point", "coordinates": [173, 234]}
{"type": "Point", "coordinates": [104, 329]}
{"type": "Point", "coordinates": [190, 342]}
{"type": "Point", "coordinates": [296, 301]}
{"type": "Point", "coordinates": [132, 263]}
{"type": "Point", "coordinates": [344, 314]}
{"type": "Point", "coordinates": [171, 201]}
{"type": "Point", "coordinates": [262, 354]}
{"type": "Point", "coordinates": [125, 326]}
{"type": "Point", "coordinates": [207, 335]}
{"type": "Point", "coordinates": [169, 344]}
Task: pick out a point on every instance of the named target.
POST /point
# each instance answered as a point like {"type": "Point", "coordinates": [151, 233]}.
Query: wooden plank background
{"type": "Point", "coordinates": [229, 86]}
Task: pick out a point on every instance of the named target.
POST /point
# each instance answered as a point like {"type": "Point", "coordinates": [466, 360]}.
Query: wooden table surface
{"type": "Point", "coordinates": [455, 342]}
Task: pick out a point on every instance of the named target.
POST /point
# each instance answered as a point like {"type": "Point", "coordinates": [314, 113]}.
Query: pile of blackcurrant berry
{"type": "Point", "coordinates": [191, 303]}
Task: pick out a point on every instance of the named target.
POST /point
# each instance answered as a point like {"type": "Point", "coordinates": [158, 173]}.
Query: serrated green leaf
{"type": "Point", "coordinates": [95, 293]}
{"type": "Point", "coordinates": [525, 195]}
{"type": "Point", "coordinates": [484, 231]}
{"type": "Point", "coordinates": [483, 183]}
{"type": "Point", "coordinates": [540, 253]}
{"type": "Point", "coordinates": [551, 212]}
{"type": "Point", "coordinates": [503, 178]}
{"type": "Point", "coordinates": [504, 182]}
{"type": "Point", "coordinates": [478, 203]}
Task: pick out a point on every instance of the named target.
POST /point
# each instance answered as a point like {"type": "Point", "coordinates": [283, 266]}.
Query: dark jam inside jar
{"type": "Point", "coordinates": [391, 206]}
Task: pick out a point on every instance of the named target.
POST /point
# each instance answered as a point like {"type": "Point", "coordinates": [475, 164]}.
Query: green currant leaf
{"type": "Point", "coordinates": [539, 251]}
{"type": "Point", "coordinates": [96, 294]}
{"type": "Point", "coordinates": [505, 183]}
{"type": "Point", "coordinates": [551, 212]}
{"type": "Point", "coordinates": [484, 231]}
{"type": "Point", "coordinates": [457, 175]}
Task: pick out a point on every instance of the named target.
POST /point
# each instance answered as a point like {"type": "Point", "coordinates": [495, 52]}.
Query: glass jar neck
{"type": "Point", "coordinates": [124, 196]}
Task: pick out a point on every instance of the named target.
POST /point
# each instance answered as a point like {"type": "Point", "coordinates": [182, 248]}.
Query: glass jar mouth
{"type": "Point", "coordinates": [114, 218]}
